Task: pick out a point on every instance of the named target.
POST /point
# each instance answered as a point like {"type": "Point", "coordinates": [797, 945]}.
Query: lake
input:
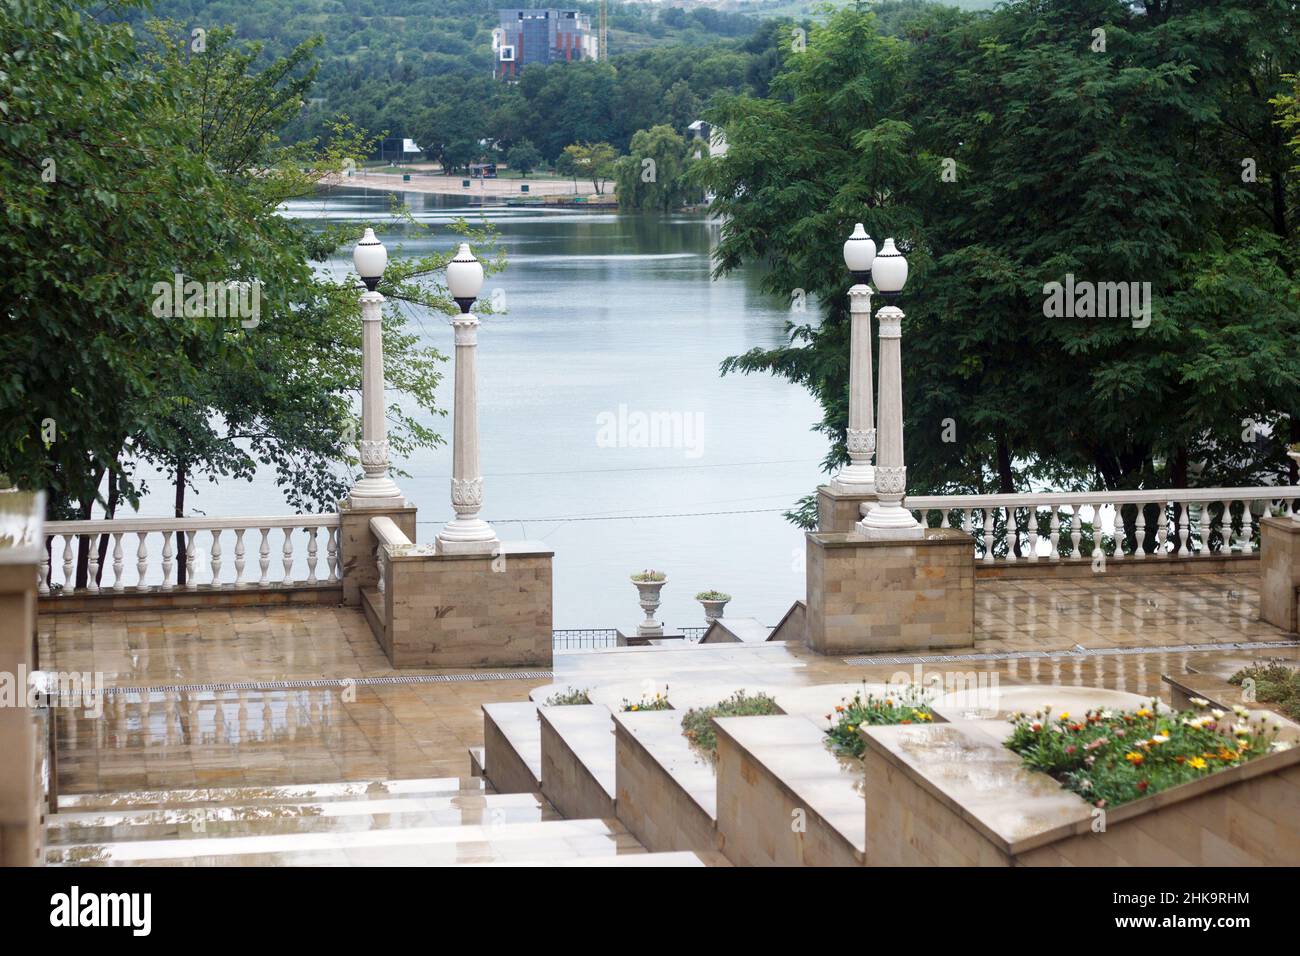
{"type": "Point", "coordinates": [606, 430]}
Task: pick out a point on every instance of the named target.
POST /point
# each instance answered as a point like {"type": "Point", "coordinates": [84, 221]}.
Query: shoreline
{"type": "Point", "coordinates": [550, 192]}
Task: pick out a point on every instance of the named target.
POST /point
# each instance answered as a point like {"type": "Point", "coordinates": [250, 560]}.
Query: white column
{"type": "Point", "coordinates": [858, 476]}
{"type": "Point", "coordinates": [467, 533]}
{"type": "Point", "coordinates": [888, 519]}
{"type": "Point", "coordinates": [376, 489]}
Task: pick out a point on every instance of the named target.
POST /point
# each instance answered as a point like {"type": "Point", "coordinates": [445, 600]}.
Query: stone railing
{"type": "Point", "coordinates": [1130, 525]}
{"type": "Point", "coordinates": [387, 535]}
{"type": "Point", "coordinates": [142, 554]}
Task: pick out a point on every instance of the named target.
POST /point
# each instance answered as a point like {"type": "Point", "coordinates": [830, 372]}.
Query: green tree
{"type": "Point", "coordinates": [594, 161]}
{"type": "Point", "coordinates": [653, 174]}
{"type": "Point", "coordinates": [524, 157]}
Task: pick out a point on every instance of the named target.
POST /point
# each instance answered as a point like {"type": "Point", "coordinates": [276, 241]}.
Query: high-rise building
{"type": "Point", "coordinates": [541, 36]}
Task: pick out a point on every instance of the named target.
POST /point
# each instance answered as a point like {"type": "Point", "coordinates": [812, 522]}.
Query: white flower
{"type": "Point", "coordinates": [1160, 739]}
{"type": "Point", "coordinates": [1217, 714]}
{"type": "Point", "coordinates": [1240, 711]}
{"type": "Point", "coordinates": [1199, 701]}
{"type": "Point", "coordinates": [1279, 745]}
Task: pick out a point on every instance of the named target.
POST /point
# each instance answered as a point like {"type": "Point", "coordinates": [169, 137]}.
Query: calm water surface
{"type": "Point", "coordinates": [612, 321]}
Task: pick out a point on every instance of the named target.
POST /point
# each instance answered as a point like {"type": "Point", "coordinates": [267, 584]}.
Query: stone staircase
{"type": "Point", "coordinates": [436, 821]}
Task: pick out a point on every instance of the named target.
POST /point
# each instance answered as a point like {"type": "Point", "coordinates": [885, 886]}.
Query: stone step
{"type": "Point", "coordinates": [545, 841]}
{"type": "Point", "coordinates": [577, 743]}
{"type": "Point", "coordinates": [246, 795]}
{"type": "Point", "coordinates": [470, 807]}
{"type": "Point", "coordinates": [512, 747]}
{"type": "Point", "coordinates": [784, 799]}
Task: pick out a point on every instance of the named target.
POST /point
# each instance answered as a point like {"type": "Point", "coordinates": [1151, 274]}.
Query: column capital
{"type": "Point", "coordinates": [891, 322]}
{"type": "Point", "coordinates": [370, 306]}
{"type": "Point", "coordinates": [860, 298]}
{"type": "Point", "coordinates": [465, 326]}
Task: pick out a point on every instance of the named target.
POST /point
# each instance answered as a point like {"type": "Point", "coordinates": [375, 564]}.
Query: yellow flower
{"type": "Point", "coordinates": [1065, 715]}
{"type": "Point", "coordinates": [1134, 757]}
{"type": "Point", "coordinates": [1196, 763]}
{"type": "Point", "coordinates": [850, 728]}
{"type": "Point", "coordinates": [1143, 712]}
{"type": "Point", "coordinates": [921, 715]}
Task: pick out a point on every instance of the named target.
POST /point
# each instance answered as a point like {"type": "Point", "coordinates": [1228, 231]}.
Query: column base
{"type": "Point", "coordinates": [889, 521]}
{"type": "Point", "coordinates": [467, 536]}
{"type": "Point", "coordinates": [371, 493]}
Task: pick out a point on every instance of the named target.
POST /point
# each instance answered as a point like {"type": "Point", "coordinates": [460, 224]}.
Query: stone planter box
{"type": "Point", "coordinates": [666, 792]}
{"type": "Point", "coordinates": [952, 795]}
{"type": "Point", "coordinates": [512, 747]}
{"type": "Point", "coordinates": [783, 798]}
{"type": "Point", "coordinates": [578, 760]}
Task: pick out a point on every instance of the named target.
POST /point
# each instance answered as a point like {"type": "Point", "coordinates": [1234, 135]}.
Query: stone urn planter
{"type": "Point", "coordinates": [714, 602]}
{"type": "Point", "coordinates": [649, 584]}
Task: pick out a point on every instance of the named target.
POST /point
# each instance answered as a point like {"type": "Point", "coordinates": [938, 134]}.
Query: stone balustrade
{"type": "Point", "coordinates": [1114, 525]}
{"type": "Point", "coordinates": [143, 554]}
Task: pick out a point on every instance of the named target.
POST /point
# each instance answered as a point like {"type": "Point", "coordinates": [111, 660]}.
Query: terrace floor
{"type": "Point", "coordinates": [160, 731]}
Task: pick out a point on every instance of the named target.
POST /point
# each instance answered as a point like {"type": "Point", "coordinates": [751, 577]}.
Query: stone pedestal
{"type": "Point", "coordinates": [357, 545]}
{"type": "Point", "coordinates": [869, 595]}
{"type": "Point", "coordinates": [839, 511]}
{"type": "Point", "coordinates": [21, 841]}
{"type": "Point", "coordinates": [1279, 572]}
{"type": "Point", "coordinates": [469, 610]}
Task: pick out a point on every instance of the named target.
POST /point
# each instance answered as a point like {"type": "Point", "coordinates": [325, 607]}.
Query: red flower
{"type": "Point", "coordinates": [1142, 786]}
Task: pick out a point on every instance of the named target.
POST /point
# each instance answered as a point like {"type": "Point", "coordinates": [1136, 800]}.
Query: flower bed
{"type": "Point", "coordinates": [697, 725]}
{"type": "Point", "coordinates": [1110, 758]}
{"type": "Point", "coordinates": [657, 702]}
{"type": "Point", "coordinates": [568, 697]}
{"type": "Point", "coordinates": [905, 707]}
{"type": "Point", "coordinates": [1273, 684]}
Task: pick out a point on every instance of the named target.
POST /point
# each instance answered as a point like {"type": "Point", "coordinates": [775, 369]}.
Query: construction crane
{"type": "Point", "coordinates": [602, 34]}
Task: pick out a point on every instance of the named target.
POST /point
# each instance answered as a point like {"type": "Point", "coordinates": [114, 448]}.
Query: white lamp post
{"type": "Point", "coordinates": [858, 476]}
{"type": "Point", "coordinates": [889, 519]}
{"type": "Point", "coordinates": [376, 489]}
{"type": "Point", "coordinates": [467, 533]}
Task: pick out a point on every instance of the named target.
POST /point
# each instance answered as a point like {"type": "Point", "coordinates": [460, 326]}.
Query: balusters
{"type": "Point", "coordinates": [69, 582]}
{"type": "Point", "coordinates": [311, 554]}
{"type": "Point", "coordinates": [43, 570]}
{"type": "Point", "coordinates": [1054, 533]}
{"type": "Point", "coordinates": [1076, 531]}
{"type": "Point", "coordinates": [191, 577]}
{"type": "Point", "coordinates": [239, 556]}
{"type": "Point", "coordinates": [288, 558]}
{"type": "Point", "coordinates": [1011, 533]}
{"type": "Point", "coordinates": [1162, 530]}
{"type": "Point", "coordinates": [92, 569]}
{"type": "Point", "coordinates": [988, 534]}
{"type": "Point", "coordinates": [1225, 529]}
{"type": "Point", "coordinates": [117, 560]}
{"type": "Point", "coordinates": [264, 556]}
{"type": "Point", "coordinates": [332, 552]}
{"type": "Point", "coordinates": [379, 566]}
{"type": "Point", "coordinates": [1032, 518]}
{"type": "Point", "coordinates": [1204, 523]}
{"type": "Point", "coordinates": [1097, 551]}
{"type": "Point", "coordinates": [1184, 527]}
{"type": "Point", "coordinates": [1140, 532]}
{"type": "Point", "coordinates": [167, 561]}
{"type": "Point", "coordinates": [216, 557]}
{"type": "Point", "coordinates": [141, 558]}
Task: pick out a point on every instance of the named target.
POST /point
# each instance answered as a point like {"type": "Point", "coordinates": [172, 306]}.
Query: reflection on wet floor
{"type": "Point", "coordinates": [165, 738]}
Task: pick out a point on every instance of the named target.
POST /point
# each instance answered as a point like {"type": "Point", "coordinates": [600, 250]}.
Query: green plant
{"type": "Point", "coordinates": [905, 707]}
{"type": "Point", "coordinates": [568, 697]}
{"type": "Point", "coordinates": [648, 576]}
{"type": "Point", "coordinates": [1110, 758]}
{"type": "Point", "coordinates": [657, 702]}
{"type": "Point", "coordinates": [697, 724]}
{"type": "Point", "coordinates": [1274, 683]}
{"type": "Point", "coordinates": [712, 596]}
